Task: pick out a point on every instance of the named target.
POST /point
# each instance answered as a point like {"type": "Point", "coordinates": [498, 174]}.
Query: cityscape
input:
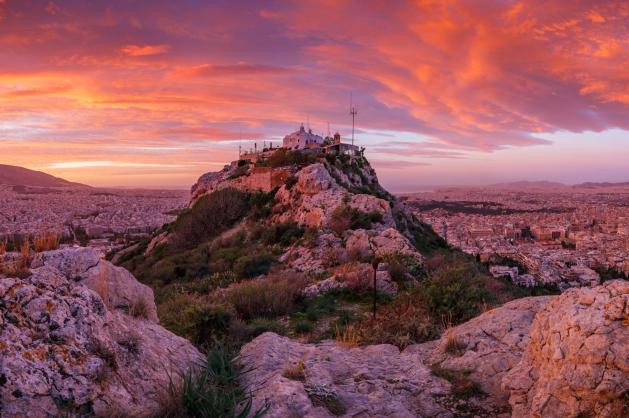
{"type": "Point", "coordinates": [562, 237]}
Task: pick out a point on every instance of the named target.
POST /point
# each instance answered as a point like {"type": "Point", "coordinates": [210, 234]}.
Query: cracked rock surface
{"type": "Point", "coordinates": [63, 352]}
{"type": "Point", "coordinates": [577, 362]}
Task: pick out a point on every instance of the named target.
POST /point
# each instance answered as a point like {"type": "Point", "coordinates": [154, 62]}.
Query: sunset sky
{"type": "Point", "coordinates": [154, 93]}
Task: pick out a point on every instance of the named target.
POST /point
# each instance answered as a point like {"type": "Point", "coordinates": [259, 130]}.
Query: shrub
{"type": "Point", "coordinates": [268, 297]}
{"type": "Point", "coordinates": [402, 322]}
{"type": "Point", "coordinates": [346, 217]}
{"type": "Point", "coordinates": [195, 318]}
{"type": "Point", "coordinates": [455, 293]}
{"type": "Point", "coordinates": [253, 265]}
{"type": "Point", "coordinates": [283, 233]}
{"type": "Point", "coordinates": [303, 327]}
{"type": "Point", "coordinates": [46, 241]}
{"type": "Point", "coordinates": [296, 372]}
{"type": "Point", "coordinates": [284, 157]}
{"type": "Point", "coordinates": [211, 215]}
{"type": "Point", "coordinates": [211, 392]}
{"type": "Point", "coordinates": [462, 386]}
{"type": "Point", "coordinates": [139, 308]}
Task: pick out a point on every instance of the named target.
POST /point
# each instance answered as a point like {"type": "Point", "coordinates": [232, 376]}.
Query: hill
{"type": "Point", "coordinates": [20, 176]}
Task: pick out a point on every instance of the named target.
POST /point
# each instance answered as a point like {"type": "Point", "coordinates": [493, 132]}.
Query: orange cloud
{"type": "Point", "coordinates": [143, 51]}
{"type": "Point", "coordinates": [465, 76]}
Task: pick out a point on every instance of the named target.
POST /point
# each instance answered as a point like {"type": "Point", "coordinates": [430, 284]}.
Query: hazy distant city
{"type": "Point", "coordinates": [535, 235]}
{"type": "Point", "coordinates": [102, 218]}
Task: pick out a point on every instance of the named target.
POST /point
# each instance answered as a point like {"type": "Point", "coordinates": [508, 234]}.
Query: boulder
{"type": "Point", "coordinates": [328, 379]}
{"type": "Point", "coordinates": [118, 288]}
{"type": "Point", "coordinates": [487, 346]}
{"type": "Point", "coordinates": [577, 361]}
{"type": "Point", "coordinates": [64, 353]}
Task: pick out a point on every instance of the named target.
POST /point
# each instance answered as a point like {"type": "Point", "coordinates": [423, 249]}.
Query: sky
{"type": "Point", "coordinates": [155, 93]}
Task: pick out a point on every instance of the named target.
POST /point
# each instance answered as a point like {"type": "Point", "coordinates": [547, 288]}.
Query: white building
{"type": "Point", "coordinates": [302, 139]}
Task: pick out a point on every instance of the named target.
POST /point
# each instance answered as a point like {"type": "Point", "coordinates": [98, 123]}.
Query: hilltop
{"type": "Point", "coordinates": [288, 243]}
{"type": "Point", "coordinates": [20, 176]}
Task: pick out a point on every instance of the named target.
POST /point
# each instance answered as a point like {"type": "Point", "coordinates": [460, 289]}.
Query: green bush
{"type": "Point", "coordinates": [210, 216]}
{"type": "Point", "coordinates": [455, 294]}
{"type": "Point", "coordinates": [211, 392]}
{"type": "Point", "coordinates": [266, 298]}
{"type": "Point", "coordinates": [284, 234]}
{"type": "Point", "coordinates": [253, 265]}
{"type": "Point", "coordinates": [284, 157]}
{"type": "Point", "coordinates": [194, 318]}
{"type": "Point", "coordinates": [347, 217]}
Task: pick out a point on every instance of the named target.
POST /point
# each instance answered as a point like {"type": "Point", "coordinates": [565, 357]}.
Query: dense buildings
{"type": "Point", "coordinates": [99, 217]}
{"type": "Point", "coordinates": [564, 236]}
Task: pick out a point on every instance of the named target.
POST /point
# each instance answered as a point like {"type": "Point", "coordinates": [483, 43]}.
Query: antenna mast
{"type": "Point", "coordinates": [353, 112]}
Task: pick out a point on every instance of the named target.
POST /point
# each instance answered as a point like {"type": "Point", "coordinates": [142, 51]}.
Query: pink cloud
{"type": "Point", "coordinates": [146, 50]}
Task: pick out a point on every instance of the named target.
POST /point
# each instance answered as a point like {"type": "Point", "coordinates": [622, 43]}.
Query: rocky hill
{"type": "Point", "coordinates": [20, 176]}
{"type": "Point", "coordinates": [313, 292]}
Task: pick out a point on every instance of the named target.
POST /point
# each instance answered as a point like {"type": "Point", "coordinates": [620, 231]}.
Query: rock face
{"type": "Point", "coordinates": [577, 362]}
{"type": "Point", "coordinates": [327, 379]}
{"type": "Point", "coordinates": [118, 288]}
{"type": "Point", "coordinates": [488, 346]}
{"type": "Point", "coordinates": [63, 352]}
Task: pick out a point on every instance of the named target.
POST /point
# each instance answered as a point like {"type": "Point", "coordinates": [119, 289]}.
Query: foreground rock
{"type": "Point", "coordinates": [116, 286]}
{"type": "Point", "coordinates": [327, 379]}
{"type": "Point", "coordinates": [63, 352]}
{"type": "Point", "coordinates": [577, 362]}
{"type": "Point", "coordinates": [487, 346]}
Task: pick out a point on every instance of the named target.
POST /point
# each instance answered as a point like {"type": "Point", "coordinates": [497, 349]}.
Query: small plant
{"type": "Point", "coordinates": [25, 255]}
{"type": "Point", "coordinates": [296, 372]}
{"type": "Point", "coordinates": [212, 391]}
{"type": "Point", "coordinates": [46, 241]}
{"type": "Point", "coordinates": [139, 308]}
{"type": "Point", "coordinates": [454, 346]}
{"type": "Point", "coordinates": [347, 336]}
{"type": "Point", "coordinates": [303, 327]}
{"type": "Point", "coordinates": [462, 386]}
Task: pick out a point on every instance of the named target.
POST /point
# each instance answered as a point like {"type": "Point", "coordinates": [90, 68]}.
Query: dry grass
{"type": "Point", "coordinates": [296, 372]}
{"type": "Point", "coordinates": [46, 241]}
{"type": "Point", "coordinates": [101, 286]}
{"type": "Point", "coordinates": [267, 297]}
{"type": "Point", "coordinates": [139, 308]}
{"type": "Point", "coordinates": [25, 255]}
{"type": "Point", "coordinates": [347, 336]}
{"type": "Point", "coordinates": [3, 247]}
{"type": "Point", "coordinates": [454, 346]}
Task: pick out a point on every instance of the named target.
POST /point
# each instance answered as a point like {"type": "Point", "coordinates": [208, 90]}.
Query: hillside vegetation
{"type": "Point", "coordinates": [224, 271]}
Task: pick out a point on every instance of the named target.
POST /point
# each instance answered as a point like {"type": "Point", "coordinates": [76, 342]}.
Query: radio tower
{"type": "Point", "coordinates": [353, 112]}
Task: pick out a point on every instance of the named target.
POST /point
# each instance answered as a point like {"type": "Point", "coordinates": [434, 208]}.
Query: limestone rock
{"type": "Point", "coordinates": [63, 353]}
{"type": "Point", "coordinates": [577, 362]}
{"type": "Point", "coordinates": [374, 381]}
{"type": "Point", "coordinates": [116, 286]}
{"type": "Point", "coordinates": [489, 345]}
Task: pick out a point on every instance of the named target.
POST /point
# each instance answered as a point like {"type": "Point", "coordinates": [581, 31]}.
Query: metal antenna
{"type": "Point", "coordinates": [353, 112]}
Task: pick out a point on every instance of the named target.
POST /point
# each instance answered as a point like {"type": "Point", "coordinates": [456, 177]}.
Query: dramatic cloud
{"type": "Point", "coordinates": [442, 79]}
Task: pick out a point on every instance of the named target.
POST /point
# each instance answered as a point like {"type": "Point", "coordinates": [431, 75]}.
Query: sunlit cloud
{"type": "Point", "coordinates": [142, 51]}
{"type": "Point", "coordinates": [436, 83]}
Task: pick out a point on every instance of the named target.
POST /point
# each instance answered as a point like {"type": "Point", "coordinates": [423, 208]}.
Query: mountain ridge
{"type": "Point", "coordinates": [19, 176]}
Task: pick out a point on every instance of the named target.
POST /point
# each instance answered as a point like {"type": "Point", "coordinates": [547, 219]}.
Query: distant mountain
{"type": "Point", "coordinates": [20, 176]}
{"type": "Point", "coordinates": [528, 185]}
{"type": "Point", "coordinates": [599, 185]}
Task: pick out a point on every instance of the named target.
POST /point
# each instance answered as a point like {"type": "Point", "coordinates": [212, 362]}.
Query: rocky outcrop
{"type": "Point", "coordinates": [328, 379]}
{"type": "Point", "coordinates": [116, 286]}
{"type": "Point", "coordinates": [63, 352]}
{"type": "Point", "coordinates": [487, 346]}
{"type": "Point", "coordinates": [577, 361]}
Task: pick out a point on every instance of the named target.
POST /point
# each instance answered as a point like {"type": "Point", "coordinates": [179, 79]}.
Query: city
{"type": "Point", "coordinates": [99, 218]}
{"type": "Point", "coordinates": [561, 236]}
